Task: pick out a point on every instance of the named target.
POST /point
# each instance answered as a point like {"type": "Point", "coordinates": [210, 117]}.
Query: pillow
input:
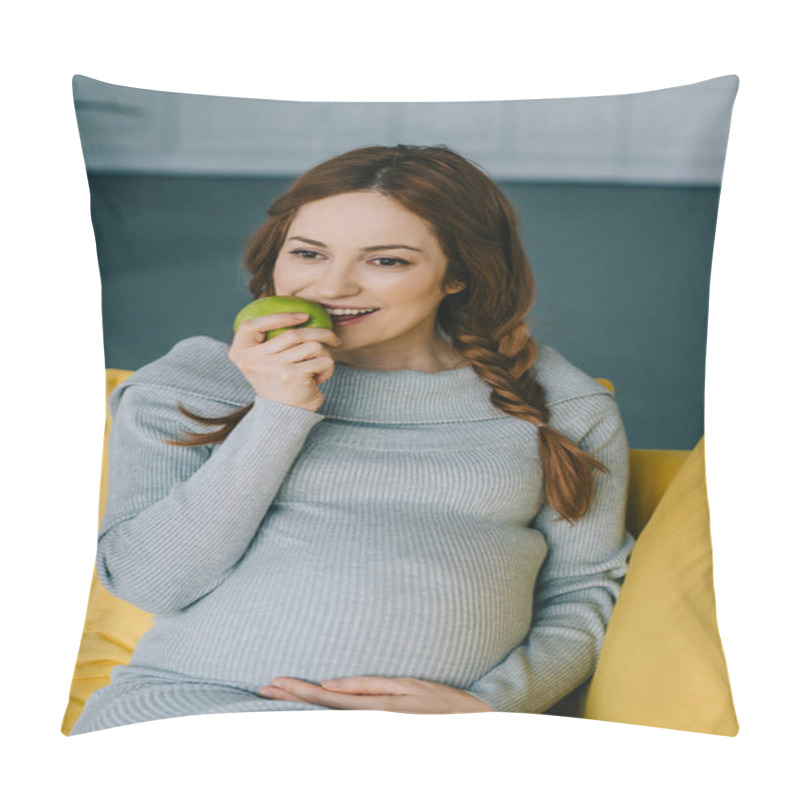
{"type": "Point", "coordinates": [616, 196]}
{"type": "Point", "coordinates": [662, 662]}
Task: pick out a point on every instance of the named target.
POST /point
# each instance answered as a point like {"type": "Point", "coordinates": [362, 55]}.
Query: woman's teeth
{"type": "Point", "coordinates": [346, 312]}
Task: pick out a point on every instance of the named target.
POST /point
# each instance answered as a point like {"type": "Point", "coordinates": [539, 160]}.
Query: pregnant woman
{"type": "Point", "coordinates": [421, 510]}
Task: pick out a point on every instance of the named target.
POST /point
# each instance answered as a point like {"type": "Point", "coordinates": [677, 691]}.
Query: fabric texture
{"type": "Point", "coordinates": [399, 531]}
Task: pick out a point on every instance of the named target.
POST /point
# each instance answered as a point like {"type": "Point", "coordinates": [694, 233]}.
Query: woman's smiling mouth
{"type": "Point", "coordinates": [348, 316]}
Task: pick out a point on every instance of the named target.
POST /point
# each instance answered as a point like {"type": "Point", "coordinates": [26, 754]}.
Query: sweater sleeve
{"type": "Point", "coordinates": [177, 518]}
{"type": "Point", "coordinates": [580, 579]}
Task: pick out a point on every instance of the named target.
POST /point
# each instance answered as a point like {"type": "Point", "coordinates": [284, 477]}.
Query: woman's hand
{"type": "Point", "coordinates": [289, 367]}
{"type": "Point", "coordinates": [404, 695]}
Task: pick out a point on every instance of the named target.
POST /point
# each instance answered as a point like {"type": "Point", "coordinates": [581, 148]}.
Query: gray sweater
{"type": "Point", "coordinates": [400, 531]}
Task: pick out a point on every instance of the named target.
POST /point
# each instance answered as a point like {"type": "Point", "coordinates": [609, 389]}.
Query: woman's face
{"type": "Point", "coordinates": [364, 251]}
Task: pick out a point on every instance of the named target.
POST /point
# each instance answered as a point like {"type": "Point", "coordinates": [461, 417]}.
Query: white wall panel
{"type": "Point", "coordinates": [665, 136]}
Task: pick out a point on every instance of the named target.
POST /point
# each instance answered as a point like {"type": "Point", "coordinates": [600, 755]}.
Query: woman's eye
{"type": "Point", "coordinates": [395, 262]}
{"type": "Point", "coordinates": [385, 261]}
{"type": "Point", "coordinates": [304, 254]}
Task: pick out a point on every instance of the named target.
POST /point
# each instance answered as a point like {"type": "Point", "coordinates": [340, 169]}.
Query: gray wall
{"type": "Point", "coordinates": [622, 274]}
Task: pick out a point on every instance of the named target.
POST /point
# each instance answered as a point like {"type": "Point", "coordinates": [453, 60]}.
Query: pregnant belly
{"type": "Point", "coordinates": [439, 608]}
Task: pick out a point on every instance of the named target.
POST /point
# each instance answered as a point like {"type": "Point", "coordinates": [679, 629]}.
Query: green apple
{"type": "Point", "coordinates": [317, 315]}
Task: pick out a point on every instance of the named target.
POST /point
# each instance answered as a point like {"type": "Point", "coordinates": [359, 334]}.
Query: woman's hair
{"type": "Point", "coordinates": [477, 229]}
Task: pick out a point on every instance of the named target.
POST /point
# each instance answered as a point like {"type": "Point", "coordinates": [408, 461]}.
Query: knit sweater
{"type": "Point", "coordinates": [401, 530]}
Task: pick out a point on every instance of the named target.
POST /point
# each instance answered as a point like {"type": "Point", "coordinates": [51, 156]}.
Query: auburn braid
{"type": "Point", "coordinates": [507, 366]}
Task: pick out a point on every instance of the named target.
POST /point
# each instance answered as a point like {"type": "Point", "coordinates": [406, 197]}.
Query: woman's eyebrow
{"type": "Point", "coordinates": [363, 249]}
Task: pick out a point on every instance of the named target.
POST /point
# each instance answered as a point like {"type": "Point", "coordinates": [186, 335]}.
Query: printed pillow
{"type": "Point", "coordinates": [617, 199]}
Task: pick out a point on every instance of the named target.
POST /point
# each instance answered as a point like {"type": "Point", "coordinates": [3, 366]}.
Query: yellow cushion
{"type": "Point", "coordinates": [662, 662]}
{"type": "Point", "coordinates": [651, 473]}
{"type": "Point", "coordinates": [112, 627]}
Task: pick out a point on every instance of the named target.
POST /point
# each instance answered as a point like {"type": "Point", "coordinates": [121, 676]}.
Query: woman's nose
{"type": "Point", "coordinates": [336, 280]}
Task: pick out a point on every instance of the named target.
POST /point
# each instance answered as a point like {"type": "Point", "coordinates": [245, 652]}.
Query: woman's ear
{"type": "Point", "coordinates": [455, 287]}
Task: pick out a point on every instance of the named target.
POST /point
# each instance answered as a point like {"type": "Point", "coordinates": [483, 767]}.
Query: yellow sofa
{"type": "Point", "coordinates": [662, 662]}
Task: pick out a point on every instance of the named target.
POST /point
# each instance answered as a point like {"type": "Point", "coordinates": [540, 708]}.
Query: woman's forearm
{"type": "Point", "coordinates": [178, 519]}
